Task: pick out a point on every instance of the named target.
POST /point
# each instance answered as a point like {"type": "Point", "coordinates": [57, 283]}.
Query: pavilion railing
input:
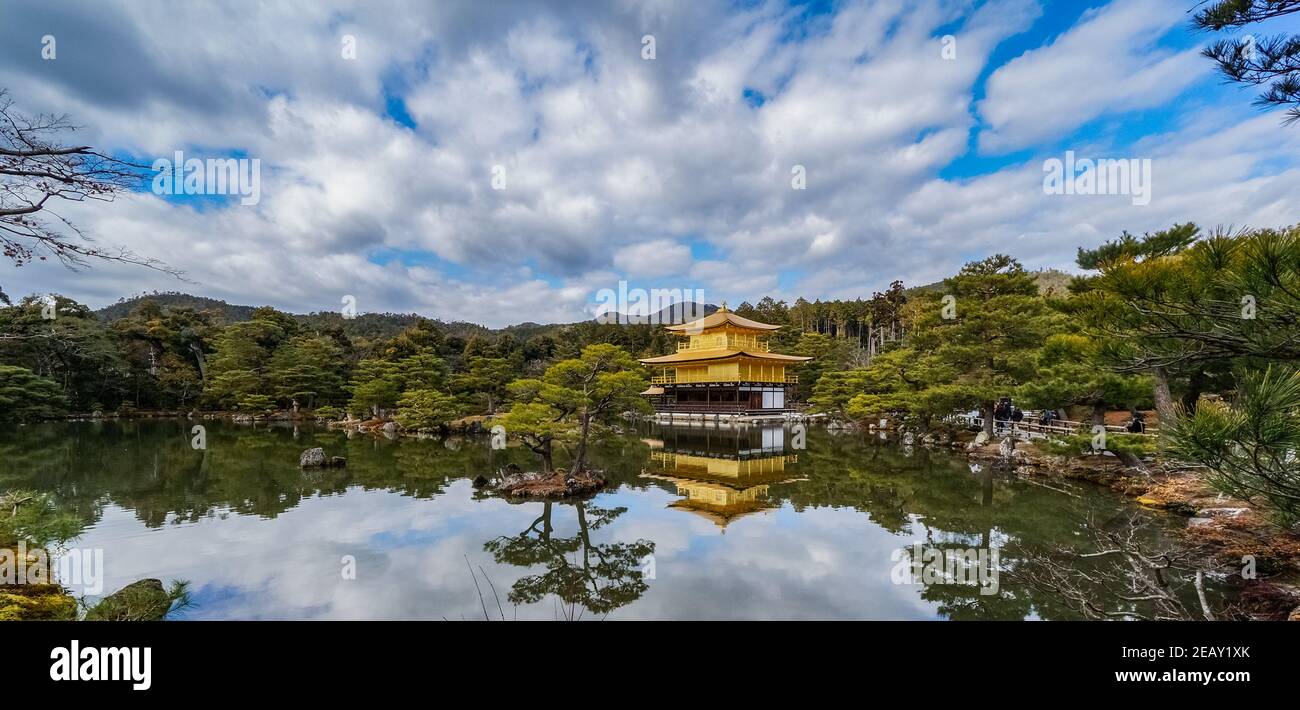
{"type": "Point", "coordinates": [671, 379]}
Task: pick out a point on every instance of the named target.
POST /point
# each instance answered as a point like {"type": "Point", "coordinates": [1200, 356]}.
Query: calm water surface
{"type": "Point", "coordinates": [697, 523]}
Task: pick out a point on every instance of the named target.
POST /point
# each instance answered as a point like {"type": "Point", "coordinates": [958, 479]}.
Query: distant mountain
{"type": "Point", "coordinates": [365, 324]}
{"type": "Point", "coordinates": [668, 315]}
{"type": "Point", "coordinates": [1052, 281]}
{"type": "Point", "coordinates": [371, 325]}
{"type": "Point", "coordinates": [121, 309]}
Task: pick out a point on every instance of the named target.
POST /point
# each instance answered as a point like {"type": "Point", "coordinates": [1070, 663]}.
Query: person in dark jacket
{"type": "Point", "coordinates": [1138, 424]}
{"type": "Point", "coordinates": [1002, 412]}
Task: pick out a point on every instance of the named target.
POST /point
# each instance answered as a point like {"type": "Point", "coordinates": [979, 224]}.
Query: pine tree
{"type": "Point", "coordinates": [1272, 62]}
{"type": "Point", "coordinates": [24, 395]}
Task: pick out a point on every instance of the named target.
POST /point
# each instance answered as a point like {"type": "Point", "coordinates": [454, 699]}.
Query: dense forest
{"type": "Point", "coordinates": [169, 351]}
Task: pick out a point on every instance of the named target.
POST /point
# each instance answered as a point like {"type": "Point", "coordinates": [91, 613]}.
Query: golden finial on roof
{"type": "Point", "coordinates": [723, 307]}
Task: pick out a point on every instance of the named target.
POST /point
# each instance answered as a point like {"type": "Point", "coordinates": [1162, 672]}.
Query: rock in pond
{"type": "Point", "coordinates": [312, 458]}
{"type": "Point", "coordinates": [145, 600]}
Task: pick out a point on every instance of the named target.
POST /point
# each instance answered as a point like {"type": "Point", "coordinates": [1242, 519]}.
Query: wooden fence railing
{"type": "Point", "coordinates": [1029, 427]}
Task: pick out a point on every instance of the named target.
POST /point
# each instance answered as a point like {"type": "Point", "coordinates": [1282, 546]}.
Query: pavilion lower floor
{"type": "Point", "coordinates": [710, 397]}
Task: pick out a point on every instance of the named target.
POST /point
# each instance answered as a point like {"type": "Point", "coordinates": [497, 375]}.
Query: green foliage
{"type": "Point", "coordinates": [239, 362]}
{"type": "Point", "coordinates": [369, 397]}
{"type": "Point", "coordinates": [328, 413]}
{"type": "Point", "coordinates": [1118, 443]}
{"type": "Point", "coordinates": [73, 348]}
{"type": "Point", "coordinates": [598, 386]}
{"type": "Point", "coordinates": [1191, 308]}
{"type": "Point", "coordinates": [308, 370]}
{"type": "Point", "coordinates": [1256, 60]}
{"type": "Point", "coordinates": [1072, 371]}
{"type": "Point", "coordinates": [828, 354]}
{"type": "Point", "coordinates": [162, 346]}
{"type": "Point", "coordinates": [145, 600]}
{"type": "Point", "coordinates": [1250, 447]}
{"type": "Point", "coordinates": [485, 378]}
{"type": "Point", "coordinates": [377, 384]}
{"type": "Point", "coordinates": [255, 403]}
{"type": "Point", "coordinates": [425, 409]}
{"type": "Point", "coordinates": [25, 395]}
{"type": "Point", "coordinates": [975, 339]}
{"type": "Point", "coordinates": [34, 518]}
{"type": "Point", "coordinates": [538, 426]}
{"type": "Point", "coordinates": [834, 389]}
{"type": "Point", "coordinates": [978, 340]}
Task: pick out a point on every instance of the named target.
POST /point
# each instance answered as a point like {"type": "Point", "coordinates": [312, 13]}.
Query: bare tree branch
{"type": "Point", "coordinates": [37, 171]}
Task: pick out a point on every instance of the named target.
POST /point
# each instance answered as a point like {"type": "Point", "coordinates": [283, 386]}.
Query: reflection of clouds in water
{"type": "Point", "coordinates": [411, 559]}
{"type": "Point", "coordinates": [410, 556]}
{"type": "Point", "coordinates": [820, 563]}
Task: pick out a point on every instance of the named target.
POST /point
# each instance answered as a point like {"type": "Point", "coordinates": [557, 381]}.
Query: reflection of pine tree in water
{"type": "Point", "coordinates": [597, 577]}
{"type": "Point", "coordinates": [935, 498]}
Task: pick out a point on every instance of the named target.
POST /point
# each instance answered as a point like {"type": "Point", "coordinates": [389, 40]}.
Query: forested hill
{"type": "Point", "coordinates": [1050, 282]}
{"type": "Point", "coordinates": [388, 325]}
{"type": "Point", "coordinates": [383, 325]}
{"type": "Point", "coordinates": [231, 312]}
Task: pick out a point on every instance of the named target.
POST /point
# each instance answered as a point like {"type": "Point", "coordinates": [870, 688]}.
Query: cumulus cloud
{"type": "Point", "coordinates": [378, 172]}
{"type": "Point", "coordinates": [1110, 61]}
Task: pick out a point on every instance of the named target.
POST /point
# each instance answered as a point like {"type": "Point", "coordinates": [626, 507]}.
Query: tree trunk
{"type": "Point", "coordinates": [203, 366]}
{"type": "Point", "coordinates": [1195, 385]}
{"type": "Point", "coordinates": [580, 459]}
{"type": "Point", "coordinates": [543, 450]}
{"type": "Point", "coordinates": [1130, 459]}
{"type": "Point", "coordinates": [1099, 413]}
{"type": "Point", "coordinates": [988, 419]}
{"type": "Point", "coordinates": [1164, 401]}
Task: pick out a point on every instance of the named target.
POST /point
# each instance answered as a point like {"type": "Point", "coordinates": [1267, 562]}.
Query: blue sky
{"type": "Point", "coordinates": [673, 170]}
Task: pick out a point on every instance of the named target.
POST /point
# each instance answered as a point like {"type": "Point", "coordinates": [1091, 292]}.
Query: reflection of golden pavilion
{"type": "Point", "coordinates": [724, 474]}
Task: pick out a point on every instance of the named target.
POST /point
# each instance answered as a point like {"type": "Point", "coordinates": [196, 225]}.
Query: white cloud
{"type": "Point", "coordinates": [660, 257]}
{"type": "Point", "coordinates": [613, 163]}
{"type": "Point", "coordinates": [1111, 61]}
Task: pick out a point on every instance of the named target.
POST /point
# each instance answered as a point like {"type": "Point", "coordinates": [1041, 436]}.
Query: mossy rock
{"type": "Point", "coordinates": [36, 602]}
{"type": "Point", "coordinates": [145, 600]}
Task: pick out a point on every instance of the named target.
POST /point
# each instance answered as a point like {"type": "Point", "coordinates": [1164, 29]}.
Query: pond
{"type": "Point", "coordinates": [696, 523]}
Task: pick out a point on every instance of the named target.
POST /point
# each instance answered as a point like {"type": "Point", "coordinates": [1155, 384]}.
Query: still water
{"type": "Point", "coordinates": [754, 523]}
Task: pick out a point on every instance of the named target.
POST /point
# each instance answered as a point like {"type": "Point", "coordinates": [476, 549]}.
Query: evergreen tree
{"type": "Point", "coordinates": [1072, 371]}
{"type": "Point", "coordinates": [1249, 446]}
{"type": "Point", "coordinates": [24, 395]}
{"type": "Point", "coordinates": [984, 331]}
{"type": "Point", "coordinates": [485, 378]}
{"type": "Point", "coordinates": [1188, 308]}
{"type": "Point", "coordinates": [1269, 61]}
{"type": "Point", "coordinates": [307, 369]}
{"type": "Point", "coordinates": [595, 387]}
{"type": "Point", "coordinates": [425, 409]}
{"type": "Point", "coordinates": [62, 340]}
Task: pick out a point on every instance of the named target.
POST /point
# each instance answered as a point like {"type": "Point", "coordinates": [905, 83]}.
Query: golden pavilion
{"type": "Point", "coordinates": [724, 365]}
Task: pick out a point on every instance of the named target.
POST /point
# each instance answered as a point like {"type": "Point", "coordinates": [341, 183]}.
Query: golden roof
{"type": "Point", "coordinates": [718, 319]}
{"type": "Point", "coordinates": [719, 354]}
